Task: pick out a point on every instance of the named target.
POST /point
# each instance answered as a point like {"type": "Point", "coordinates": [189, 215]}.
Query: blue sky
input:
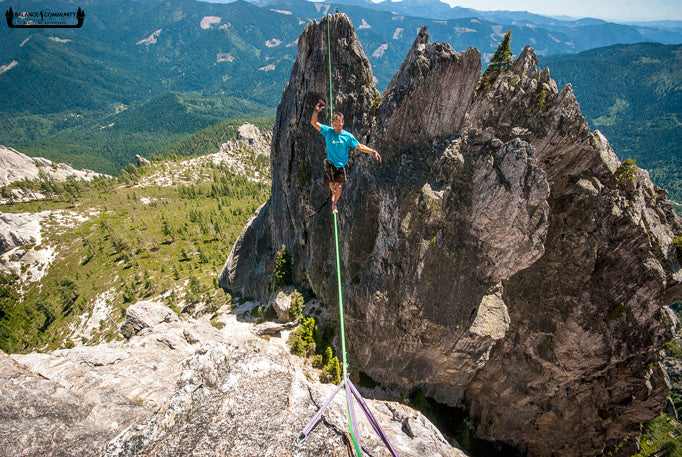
{"type": "Point", "coordinates": [621, 10]}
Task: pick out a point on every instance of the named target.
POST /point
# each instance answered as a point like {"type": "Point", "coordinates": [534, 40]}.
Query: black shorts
{"type": "Point", "coordinates": [337, 175]}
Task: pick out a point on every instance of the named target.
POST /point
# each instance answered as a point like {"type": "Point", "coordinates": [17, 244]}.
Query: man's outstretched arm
{"type": "Point", "coordinates": [313, 120]}
{"type": "Point", "coordinates": [367, 150]}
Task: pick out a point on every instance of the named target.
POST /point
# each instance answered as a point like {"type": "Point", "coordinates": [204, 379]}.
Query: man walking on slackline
{"type": "Point", "coordinates": [338, 142]}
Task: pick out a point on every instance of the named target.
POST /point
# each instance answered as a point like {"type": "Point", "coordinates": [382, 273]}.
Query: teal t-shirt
{"type": "Point", "coordinates": [338, 145]}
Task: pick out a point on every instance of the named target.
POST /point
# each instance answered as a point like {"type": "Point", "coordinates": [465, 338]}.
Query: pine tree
{"type": "Point", "coordinates": [499, 61]}
{"type": "Point", "coordinates": [296, 309]}
{"type": "Point", "coordinates": [283, 268]}
{"type": "Point", "coordinates": [503, 56]}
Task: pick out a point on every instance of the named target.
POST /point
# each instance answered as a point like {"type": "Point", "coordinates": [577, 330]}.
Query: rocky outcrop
{"type": "Point", "coordinates": [252, 137]}
{"type": "Point", "coordinates": [233, 400]}
{"type": "Point", "coordinates": [20, 229]}
{"type": "Point", "coordinates": [15, 166]}
{"type": "Point", "coordinates": [22, 250]}
{"type": "Point", "coordinates": [249, 137]}
{"type": "Point", "coordinates": [23, 255]}
{"type": "Point", "coordinates": [141, 161]}
{"type": "Point", "coordinates": [184, 387]}
{"type": "Point", "coordinates": [43, 417]}
{"type": "Point", "coordinates": [496, 259]}
{"type": "Point", "coordinates": [245, 154]}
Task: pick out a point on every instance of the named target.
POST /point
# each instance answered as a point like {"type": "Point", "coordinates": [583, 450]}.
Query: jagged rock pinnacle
{"type": "Point", "coordinates": [492, 260]}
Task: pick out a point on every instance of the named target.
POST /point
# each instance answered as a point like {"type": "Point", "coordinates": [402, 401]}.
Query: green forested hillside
{"type": "Point", "coordinates": [163, 230]}
{"type": "Point", "coordinates": [139, 48]}
{"type": "Point", "coordinates": [138, 76]}
{"type": "Point", "coordinates": [209, 140]}
{"type": "Point", "coordinates": [108, 143]}
{"type": "Point", "coordinates": [632, 94]}
{"type": "Point", "coordinates": [141, 74]}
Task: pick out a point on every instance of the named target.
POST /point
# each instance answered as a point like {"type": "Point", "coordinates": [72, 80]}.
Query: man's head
{"type": "Point", "coordinates": [337, 122]}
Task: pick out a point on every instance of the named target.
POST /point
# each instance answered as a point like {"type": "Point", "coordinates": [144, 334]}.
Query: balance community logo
{"type": "Point", "coordinates": [44, 19]}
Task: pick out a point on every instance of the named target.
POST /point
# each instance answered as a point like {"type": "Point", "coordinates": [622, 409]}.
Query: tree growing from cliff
{"type": "Point", "coordinates": [283, 269]}
{"type": "Point", "coordinates": [627, 171]}
{"type": "Point", "coordinates": [331, 370]}
{"type": "Point", "coordinates": [302, 339]}
{"type": "Point", "coordinates": [296, 309]}
{"type": "Point", "coordinates": [499, 61]}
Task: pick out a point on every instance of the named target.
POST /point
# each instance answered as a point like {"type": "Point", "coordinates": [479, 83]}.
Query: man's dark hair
{"type": "Point", "coordinates": [338, 115]}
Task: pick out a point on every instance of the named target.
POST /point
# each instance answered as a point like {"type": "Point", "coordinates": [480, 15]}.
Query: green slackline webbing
{"type": "Point", "coordinates": [338, 261]}
{"type": "Point", "coordinates": [329, 59]}
{"type": "Point", "coordinates": [338, 275]}
{"type": "Point", "coordinates": [343, 338]}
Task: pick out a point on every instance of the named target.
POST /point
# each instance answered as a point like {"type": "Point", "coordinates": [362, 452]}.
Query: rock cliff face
{"type": "Point", "coordinates": [498, 258]}
{"type": "Point", "coordinates": [183, 387]}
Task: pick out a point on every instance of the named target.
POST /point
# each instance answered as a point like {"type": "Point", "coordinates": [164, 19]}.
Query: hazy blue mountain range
{"type": "Point", "coordinates": [633, 94]}
{"type": "Point", "coordinates": [141, 74]}
{"type": "Point", "coordinates": [436, 9]}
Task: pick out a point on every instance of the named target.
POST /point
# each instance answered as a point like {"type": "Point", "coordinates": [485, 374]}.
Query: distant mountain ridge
{"type": "Point", "coordinates": [632, 94]}
{"type": "Point", "coordinates": [96, 96]}
{"type": "Point", "coordinates": [435, 9]}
